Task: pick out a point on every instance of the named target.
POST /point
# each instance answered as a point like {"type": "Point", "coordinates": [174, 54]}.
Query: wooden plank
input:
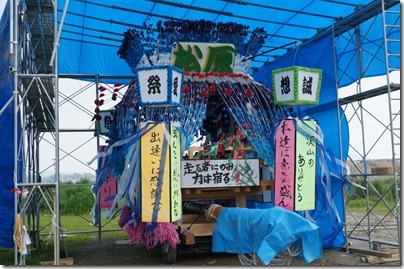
{"type": "Point", "coordinates": [368, 252]}
{"type": "Point", "coordinates": [186, 191]}
{"type": "Point", "coordinates": [187, 219]}
{"type": "Point", "coordinates": [188, 239]}
{"type": "Point", "coordinates": [379, 260]}
{"type": "Point", "coordinates": [241, 201]}
{"type": "Point", "coordinates": [268, 184]}
{"type": "Point", "coordinates": [228, 191]}
{"type": "Point", "coordinates": [62, 261]}
{"type": "Point", "coordinates": [201, 229]}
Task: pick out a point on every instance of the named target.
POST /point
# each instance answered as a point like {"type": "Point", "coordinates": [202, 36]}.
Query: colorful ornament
{"type": "Point", "coordinates": [185, 89]}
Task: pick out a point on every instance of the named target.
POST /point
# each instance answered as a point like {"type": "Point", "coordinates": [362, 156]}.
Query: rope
{"type": "Point", "coordinates": [249, 259]}
{"type": "Point", "coordinates": [283, 257]}
{"type": "Point", "coordinates": [209, 213]}
{"type": "Point", "coordinates": [18, 233]}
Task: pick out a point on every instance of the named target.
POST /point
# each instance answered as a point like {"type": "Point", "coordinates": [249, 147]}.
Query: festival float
{"type": "Point", "coordinates": [194, 136]}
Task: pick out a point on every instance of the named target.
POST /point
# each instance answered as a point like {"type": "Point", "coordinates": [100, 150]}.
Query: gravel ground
{"type": "Point", "coordinates": [121, 253]}
{"type": "Point", "coordinates": [107, 253]}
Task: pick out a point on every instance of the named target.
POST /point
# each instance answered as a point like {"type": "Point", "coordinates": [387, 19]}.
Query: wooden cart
{"type": "Point", "coordinates": [196, 230]}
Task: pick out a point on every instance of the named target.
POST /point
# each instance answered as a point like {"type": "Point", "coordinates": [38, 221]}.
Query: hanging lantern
{"type": "Point", "coordinates": [296, 85]}
{"type": "Point", "coordinates": [159, 86]}
{"type": "Point", "coordinates": [104, 121]}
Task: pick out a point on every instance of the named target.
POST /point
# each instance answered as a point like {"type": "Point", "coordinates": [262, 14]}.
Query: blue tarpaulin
{"type": "Point", "coordinates": [320, 55]}
{"type": "Point", "coordinates": [265, 232]}
{"type": "Point", "coordinates": [6, 139]}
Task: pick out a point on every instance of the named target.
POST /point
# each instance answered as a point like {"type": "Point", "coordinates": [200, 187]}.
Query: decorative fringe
{"type": "Point", "coordinates": [163, 232]}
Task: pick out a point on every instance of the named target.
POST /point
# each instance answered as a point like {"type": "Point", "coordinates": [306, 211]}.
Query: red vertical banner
{"type": "Point", "coordinates": [108, 188]}
{"type": "Point", "coordinates": [108, 192]}
{"type": "Point", "coordinates": [285, 164]}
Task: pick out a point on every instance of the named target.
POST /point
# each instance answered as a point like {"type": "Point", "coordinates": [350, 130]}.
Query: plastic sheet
{"type": "Point", "coordinates": [265, 232]}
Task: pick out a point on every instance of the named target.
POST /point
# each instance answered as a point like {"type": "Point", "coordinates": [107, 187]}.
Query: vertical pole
{"type": "Point", "coordinates": [365, 167]}
{"type": "Point", "coordinates": [387, 62]}
{"type": "Point", "coordinates": [57, 158]}
{"type": "Point", "coordinates": [14, 69]}
{"type": "Point", "coordinates": [97, 80]}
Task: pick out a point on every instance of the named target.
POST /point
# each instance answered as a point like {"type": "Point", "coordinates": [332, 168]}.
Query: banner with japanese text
{"type": "Point", "coordinates": [103, 125]}
{"type": "Point", "coordinates": [285, 164]}
{"type": "Point", "coordinates": [155, 175]}
{"type": "Point", "coordinates": [204, 57]}
{"type": "Point", "coordinates": [108, 192]}
{"type": "Point", "coordinates": [176, 198]}
{"type": "Point", "coordinates": [220, 173]}
{"type": "Point", "coordinates": [108, 188]}
{"type": "Point", "coordinates": [305, 165]}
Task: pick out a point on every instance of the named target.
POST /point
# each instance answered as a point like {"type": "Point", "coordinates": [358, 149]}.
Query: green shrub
{"type": "Point", "coordinates": [381, 188]}
{"type": "Point", "coordinates": [73, 198]}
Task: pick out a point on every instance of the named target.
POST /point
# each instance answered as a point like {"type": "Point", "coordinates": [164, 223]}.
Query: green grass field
{"type": "Point", "coordinates": [75, 231]}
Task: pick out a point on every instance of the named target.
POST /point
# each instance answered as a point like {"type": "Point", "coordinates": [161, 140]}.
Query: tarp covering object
{"type": "Point", "coordinates": [265, 232]}
{"type": "Point", "coordinates": [6, 138]}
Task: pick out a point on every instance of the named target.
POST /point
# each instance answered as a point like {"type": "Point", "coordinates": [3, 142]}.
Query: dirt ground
{"type": "Point", "coordinates": [116, 253]}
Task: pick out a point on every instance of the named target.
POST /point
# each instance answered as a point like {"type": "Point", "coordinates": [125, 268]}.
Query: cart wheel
{"type": "Point", "coordinates": [168, 253]}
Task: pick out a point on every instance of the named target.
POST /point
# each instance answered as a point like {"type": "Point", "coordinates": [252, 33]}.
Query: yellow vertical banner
{"type": "Point", "coordinates": [305, 175]}
{"type": "Point", "coordinates": [155, 174]}
{"type": "Point", "coordinates": [176, 199]}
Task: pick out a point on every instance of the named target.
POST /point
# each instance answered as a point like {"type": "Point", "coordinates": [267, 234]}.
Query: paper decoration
{"type": "Point", "coordinates": [160, 183]}
{"type": "Point", "coordinates": [159, 86]}
{"type": "Point", "coordinates": [285, 164]}
{"type": "Point", "coordinates": [305, 180]}
{"type": "Point", "coordinates": [108, 188]}
{"type": "Point", "coordinates": [296, 85]}
{"type": "Point", "coordinates": [204, 57]}
{"type": "Point", "coordinates": [295, 165]}
{"type": "Point", "coordinates": [176, 198]}
{"type": "Point", "coordinates": [108, 192]}
{"type": "Point", "coordinates": [220, 173]}
{"type": "Point", "coordinates": [106, 121]}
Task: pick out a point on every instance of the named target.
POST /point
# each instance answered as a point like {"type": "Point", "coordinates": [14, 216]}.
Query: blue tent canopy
{"type": "Point", "coordinates": [93, 30]}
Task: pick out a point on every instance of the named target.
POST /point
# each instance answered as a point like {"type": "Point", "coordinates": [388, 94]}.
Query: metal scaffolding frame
{"type": "Point", "coordinates": [34, 38]}
{"type": "Point", "coordinates": [364, 226]}
{"type": "Point", "coordinates": [33, 30]}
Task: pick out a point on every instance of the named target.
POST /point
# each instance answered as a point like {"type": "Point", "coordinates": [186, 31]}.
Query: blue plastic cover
{"type": "Point", "coordinates": [93, 30]}
{"type": "Point", "coordinates": [6, 138]}
{"type": "Point", "coordinates": [320, 55]}
{"type": "Point", "coordinates": [265, 232]}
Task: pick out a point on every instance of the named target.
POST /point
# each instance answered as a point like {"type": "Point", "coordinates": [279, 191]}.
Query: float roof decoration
{"type": "Point", "coordinates": [155, 47]}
